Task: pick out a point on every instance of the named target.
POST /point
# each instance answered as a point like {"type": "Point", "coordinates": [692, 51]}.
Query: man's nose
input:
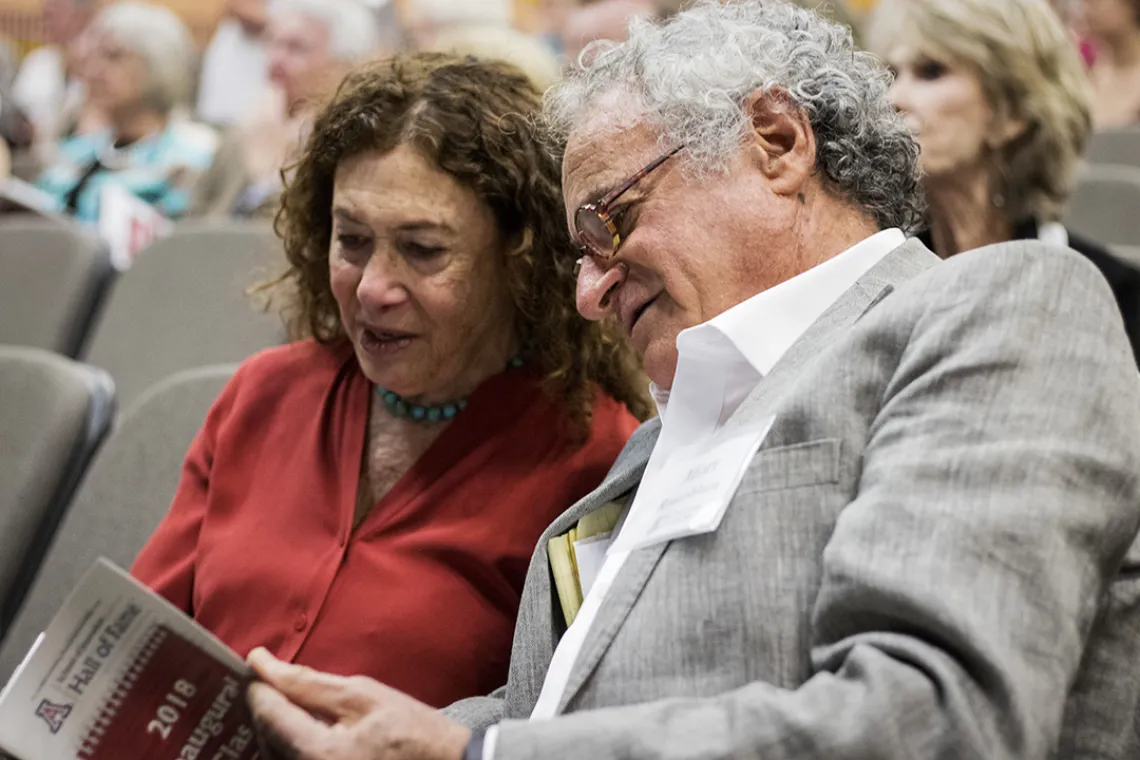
{"type": "Point", "coordinates": [596, 284]}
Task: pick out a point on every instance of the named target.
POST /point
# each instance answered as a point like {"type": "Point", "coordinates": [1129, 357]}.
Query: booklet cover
{"type": "Point", "coordinates": [121, 674]}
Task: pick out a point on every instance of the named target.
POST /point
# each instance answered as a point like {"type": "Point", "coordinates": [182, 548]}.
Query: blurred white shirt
{"type": "Point", "coordinates": [235, 73]}
{"type": "Point", "coordinates": [41, 90]}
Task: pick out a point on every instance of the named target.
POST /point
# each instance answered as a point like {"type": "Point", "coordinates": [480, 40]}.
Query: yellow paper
{"type": "Point", "coordinates": [561, 553]}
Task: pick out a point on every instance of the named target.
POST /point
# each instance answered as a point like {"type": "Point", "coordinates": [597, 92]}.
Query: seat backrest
{"type": "Point", "coordinates": [1105, 205]}
{"type": "Point", "coordinates": [53, 278]}
{"type": "Point", "coordinates": [54, 413]}
{"type": "Point", "coordinates": [1118, 146]}
{"type": "Point", "coordinates": [183, 304]}
{"type": "Point", "coordinates": [127, 491]}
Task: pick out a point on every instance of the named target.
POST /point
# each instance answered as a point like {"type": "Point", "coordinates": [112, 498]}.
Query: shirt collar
{"type": "Point", "coordinates": [762, 329]}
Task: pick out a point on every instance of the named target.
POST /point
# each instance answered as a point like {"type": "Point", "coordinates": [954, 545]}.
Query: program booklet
{"type": "Point", "coordinates": [121, 674]}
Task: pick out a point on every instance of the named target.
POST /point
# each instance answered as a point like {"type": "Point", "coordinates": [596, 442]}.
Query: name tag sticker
{"type": "Point", "coordinates": [589, 554]}
{"type": "Point", "coordinates": [694, 488]}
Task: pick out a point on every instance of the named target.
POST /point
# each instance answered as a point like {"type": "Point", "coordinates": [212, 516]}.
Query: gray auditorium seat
{"type": "Point", "coordinates": [119, 503]}
{"type": "Point", "coordinates": [54, 413]}
{"type": "Point", "coordinates": [1105, 205]}
{"type": "Point", "coordinates": [53, 277]}
{"type": "Point", "coordinates": [182, 304]}
{"type": "Point", "coordinates": [1118, 146]}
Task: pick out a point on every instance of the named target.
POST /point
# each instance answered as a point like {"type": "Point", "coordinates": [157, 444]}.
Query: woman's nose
{"type": "Point", "coordinates": [596, 284]}
{"type": "Point", "coordinates": [380, 285]}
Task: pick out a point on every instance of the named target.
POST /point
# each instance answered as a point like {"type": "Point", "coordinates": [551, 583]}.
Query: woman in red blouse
{"type": "Point", "coordinates": [367, 500]}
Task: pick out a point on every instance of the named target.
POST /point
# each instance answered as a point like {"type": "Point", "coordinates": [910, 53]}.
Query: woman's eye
{"type": "Point", "coordinates": [351, 242]}
{"type": "Point", "coordinates": [929, 70]}
{"type": "Point", "coordinates": [420, 250]}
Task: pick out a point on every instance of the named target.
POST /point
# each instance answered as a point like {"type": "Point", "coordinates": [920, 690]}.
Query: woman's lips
{"type": "Point", "coordinates": [383, 343]}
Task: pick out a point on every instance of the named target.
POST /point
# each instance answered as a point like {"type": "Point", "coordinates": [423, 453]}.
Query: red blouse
{"type": "Point", "coordinates": [258, 545]}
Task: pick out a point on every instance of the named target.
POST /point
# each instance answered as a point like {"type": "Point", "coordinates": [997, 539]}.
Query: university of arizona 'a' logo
{"type": "Point", "coordinates": [53, 714]}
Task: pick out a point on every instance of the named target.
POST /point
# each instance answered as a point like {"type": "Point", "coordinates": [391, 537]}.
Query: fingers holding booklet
{"type": "Point", "coordinates": [121, 673]}
{"type": "Point", "coordinates": [304, 714]}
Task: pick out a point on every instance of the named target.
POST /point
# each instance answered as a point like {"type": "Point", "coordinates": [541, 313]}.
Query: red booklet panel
{"type": "Point", "coordinates": [174, 702]}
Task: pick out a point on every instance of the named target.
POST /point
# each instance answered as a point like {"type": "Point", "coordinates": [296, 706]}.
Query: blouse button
{"type": "Point", "coordinates": [302, 622]}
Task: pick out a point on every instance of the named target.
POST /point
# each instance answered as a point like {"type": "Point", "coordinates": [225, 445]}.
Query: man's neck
{"type": "Point", "coordinates": [836, 226]}
{"type": "Point", "coordinates": [136, 124]}
{"type": "Point", "coordinates": [962, 215]}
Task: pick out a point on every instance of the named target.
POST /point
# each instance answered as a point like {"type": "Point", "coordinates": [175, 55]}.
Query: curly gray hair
{"type": "Point", "coordinates": [691, 76]}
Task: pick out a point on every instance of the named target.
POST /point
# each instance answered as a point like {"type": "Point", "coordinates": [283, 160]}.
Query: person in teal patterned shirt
{"type": "Point", "coordinates": [140, 73]}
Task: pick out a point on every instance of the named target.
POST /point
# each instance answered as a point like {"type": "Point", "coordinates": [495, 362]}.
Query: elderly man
{"type": "Point", "coordinates": [888, 508]}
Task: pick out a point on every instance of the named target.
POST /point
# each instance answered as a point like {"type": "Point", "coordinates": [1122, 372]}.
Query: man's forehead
{"type": "Point", "coordinates": [611, 142]}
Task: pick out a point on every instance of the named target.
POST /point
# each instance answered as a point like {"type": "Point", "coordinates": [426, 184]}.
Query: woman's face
{"type": "Point", "coordinates": [416, 264]}
{"type": "Point", "coordinates": [116, 75]}
{"type": "Point", "coordinates": [1108, 18]}
{"type": "Point", "coordinates": [946, 109]}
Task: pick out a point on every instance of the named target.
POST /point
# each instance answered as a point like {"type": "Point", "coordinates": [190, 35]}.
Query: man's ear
{"type": "Point", "coordinates": [782, 142]}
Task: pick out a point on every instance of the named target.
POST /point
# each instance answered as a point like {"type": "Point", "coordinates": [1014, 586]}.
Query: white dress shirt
{"type": "Point", "coordinates": [720, 362]}
{"type": "Point", "coordinates": [234, 74]}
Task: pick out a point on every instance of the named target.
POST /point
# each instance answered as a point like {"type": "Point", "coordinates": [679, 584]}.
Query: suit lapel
{"type": "Point", "coordinates": [537, 630]}
{"type": "Point", "coordinates": [896, 267]}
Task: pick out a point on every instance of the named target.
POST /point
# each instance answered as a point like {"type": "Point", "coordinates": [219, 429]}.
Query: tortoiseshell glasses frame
{"type": "Point", "coordinates": [595, 229]}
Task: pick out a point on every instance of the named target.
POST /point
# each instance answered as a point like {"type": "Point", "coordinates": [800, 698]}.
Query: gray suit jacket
{"type": "Point", "coordinates": [931, 556]}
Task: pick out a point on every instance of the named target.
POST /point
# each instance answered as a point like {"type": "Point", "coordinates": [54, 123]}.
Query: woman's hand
{"type": "Point", "coordinates": [301, 714]}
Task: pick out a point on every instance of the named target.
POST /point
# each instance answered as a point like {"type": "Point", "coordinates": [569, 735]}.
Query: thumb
{"type": "Point", "coordinates": [322, 694]}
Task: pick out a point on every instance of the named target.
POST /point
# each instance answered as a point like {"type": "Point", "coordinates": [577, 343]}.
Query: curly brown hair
{"type": "Point", "coordinates": [476, 120]}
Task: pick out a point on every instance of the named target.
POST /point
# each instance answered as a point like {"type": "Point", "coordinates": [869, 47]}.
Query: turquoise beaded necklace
{"type": "Point", "coordinates": [402, 408]}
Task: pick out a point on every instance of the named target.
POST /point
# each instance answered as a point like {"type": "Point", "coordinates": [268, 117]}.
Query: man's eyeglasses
{"type": "Point", "coordinates": [596, 230]}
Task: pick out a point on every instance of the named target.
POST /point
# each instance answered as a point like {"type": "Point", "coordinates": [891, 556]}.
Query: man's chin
{"type": "Point", "coordinates": [660, 365]}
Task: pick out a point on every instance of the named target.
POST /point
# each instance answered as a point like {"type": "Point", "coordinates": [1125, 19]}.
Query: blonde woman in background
{"type": "Point", "coordinates": [997, 97]}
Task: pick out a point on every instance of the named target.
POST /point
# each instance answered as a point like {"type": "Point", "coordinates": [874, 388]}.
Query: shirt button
{"type": "Point", "coordinates": [343, 541]}
{"type": "Point", "coordinates": [302, 622]}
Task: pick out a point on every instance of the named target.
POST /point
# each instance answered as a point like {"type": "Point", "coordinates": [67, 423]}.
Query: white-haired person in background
{"type": "Point", "coordinates": [996, 94]}
{"type": "Point", "coordinates": [140, 68]}
{"type": "Point", "coordinates": [312, 45]}
{"type": "Point", "coordinates": [889, 510]}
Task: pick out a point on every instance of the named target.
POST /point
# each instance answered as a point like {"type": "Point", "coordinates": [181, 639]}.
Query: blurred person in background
{"type": "Point", "coordinates": [1114, 26]}
{"type": "Point", "coordinates": [312, 44]}
{"type": "Point", "coordinates": [601, 20]}
{"type": "Point", "coordinates": [998, 99]}
{"type": "Point", "coordinates": [141, 68]}
{"type": "Point", "coordinates": [367, 500]}
{"type": "Point", "coordinates": [235, 66]}
{"type": "Point", "coordinates": [483, 30]}
{"type": "Point", "coordinates": [49, 91]}
{"type": "Point", "coordinates": [525, 51]}
{"type": "Point", "coordinates": [425, 21]}
{"type": "Point", "coordinates": [1071, 13]}
{"type": "Point", "coordinates": [609, 19]}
